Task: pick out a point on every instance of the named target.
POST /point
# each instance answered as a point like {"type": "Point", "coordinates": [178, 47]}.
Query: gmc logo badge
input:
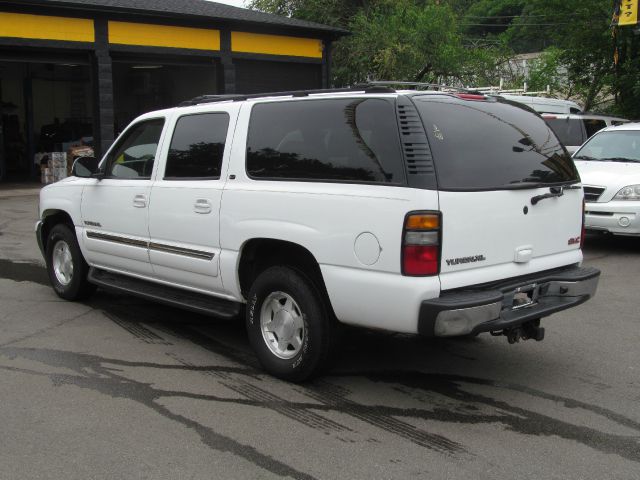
{"type": "Point", "coordinates": [574, 240]}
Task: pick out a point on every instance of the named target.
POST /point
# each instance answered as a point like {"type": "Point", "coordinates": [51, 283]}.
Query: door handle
{"type": "Point", "coordinates": [140, 201]}
{"type": "Point", "coordinates": [202, 206]}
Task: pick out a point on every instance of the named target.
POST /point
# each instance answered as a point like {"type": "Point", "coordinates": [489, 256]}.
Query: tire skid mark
{"type": "Point", "coordinates": [138, 330]}
{"type": "Point", "coordinates": [517, 419]}
{"type": "Point", "coordinates": [273, 402]}
{"type": "Point", "coordinates": [279, 405]}
{"type": "Point", "coordinates": [335, 395]}
{"type": "Point", "coordinates": [94, 373]}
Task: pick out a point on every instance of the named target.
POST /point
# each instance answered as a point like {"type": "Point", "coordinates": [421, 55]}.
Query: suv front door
{"type": "Point", "coordinates": [115, 207]}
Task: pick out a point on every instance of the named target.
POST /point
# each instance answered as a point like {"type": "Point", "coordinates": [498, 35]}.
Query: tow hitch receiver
{"type": "Point", "coordinates": [526, 331]}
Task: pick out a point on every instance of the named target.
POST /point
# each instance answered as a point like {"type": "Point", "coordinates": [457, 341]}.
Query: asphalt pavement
{"type": "Point", "coordinates": [120, 388]}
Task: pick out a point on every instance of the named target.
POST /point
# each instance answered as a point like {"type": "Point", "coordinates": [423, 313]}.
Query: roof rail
{"type": "Point", "coordinates": [377, 86]}
{"type": "Point", "coordinates": [368, 88]}
{"type": "Point", "coordinates": [433, 86]}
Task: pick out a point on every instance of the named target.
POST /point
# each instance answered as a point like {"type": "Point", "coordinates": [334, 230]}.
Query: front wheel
{"type": "Point", "coordinates": [288, 324]}
{"type": "Point", "coordinates": [66, 266]}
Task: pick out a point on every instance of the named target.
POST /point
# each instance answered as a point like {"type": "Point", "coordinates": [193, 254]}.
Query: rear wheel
{"type": "Point", "coordinates": [66, 266]}
{"type": "Point", "coordinates": [288, 324]}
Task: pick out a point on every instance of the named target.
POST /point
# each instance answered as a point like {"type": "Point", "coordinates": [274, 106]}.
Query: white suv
{"type": "Point", "coordinates": [609, 164]}
{"type": "Point", "coordinates": [435, 213]}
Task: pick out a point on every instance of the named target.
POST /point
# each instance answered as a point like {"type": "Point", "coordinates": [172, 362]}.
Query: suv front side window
{"type": "Point", "coordinates": [135, 153]}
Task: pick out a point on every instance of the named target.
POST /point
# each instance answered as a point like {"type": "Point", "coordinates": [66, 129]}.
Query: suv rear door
{"type": "Point", "coordinates": [492, 159]}
{"type": "Point", "coordinates": [184, 222]}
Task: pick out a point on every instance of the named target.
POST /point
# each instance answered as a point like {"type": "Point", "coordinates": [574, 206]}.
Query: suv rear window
{"type": "Point", "coordinates": [352, 140]}
{"type": "Point", "coordinates": [568, 130]}
{"type": "Point", "coordinates": [491, 145]}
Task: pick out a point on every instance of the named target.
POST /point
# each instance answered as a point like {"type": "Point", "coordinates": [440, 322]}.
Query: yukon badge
{"type": "Point", "coordinates": [473, 259]}
{"type": "Point", "coordinates": [574, 240]}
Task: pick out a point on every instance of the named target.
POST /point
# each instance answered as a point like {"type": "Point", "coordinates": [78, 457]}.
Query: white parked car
{"type": "Point", "coordinates": [609, 165]}
{"type": "Point", "coordinates": [545, 104]}
{"type": "Point", "coordinates": [431, 213]}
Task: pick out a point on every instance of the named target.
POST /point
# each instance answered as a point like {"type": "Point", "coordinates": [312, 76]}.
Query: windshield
{"type": "Point", "coordinates": [492, 145]}
{"type": "Point", "coordinates": [613, 146]}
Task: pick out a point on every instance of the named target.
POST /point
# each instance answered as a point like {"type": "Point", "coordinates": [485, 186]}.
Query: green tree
{"type": "Point", "coordinates": [395, 40]}
{"type": "Point", "coordinates": [580, 33]}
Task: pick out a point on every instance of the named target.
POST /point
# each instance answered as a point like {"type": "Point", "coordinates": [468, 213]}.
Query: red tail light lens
{"type": "Point", "coordinates": [421, 244]}
{"type": "Point", "coordinates": [421, 260]}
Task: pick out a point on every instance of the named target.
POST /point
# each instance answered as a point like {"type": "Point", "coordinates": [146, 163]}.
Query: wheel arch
{"type": "Point", "coordinates": [258, 254]}
{"type": "Point", "coordinates": [50, 218]}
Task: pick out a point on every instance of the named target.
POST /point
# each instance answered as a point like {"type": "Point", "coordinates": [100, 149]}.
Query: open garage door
{"type": "Point", "coordinates": [257, 76]}
{"type": "Point", "coordinates": [144, 84]}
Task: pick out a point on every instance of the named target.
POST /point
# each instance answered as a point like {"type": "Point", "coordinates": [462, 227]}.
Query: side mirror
{"type": "Point", "coordinates": [85, 167]}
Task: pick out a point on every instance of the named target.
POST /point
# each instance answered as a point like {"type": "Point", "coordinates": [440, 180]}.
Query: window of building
{"type": "Point", "coordinates": [343, 140]}
{"type": "Point", "coordinates": [197, 147]}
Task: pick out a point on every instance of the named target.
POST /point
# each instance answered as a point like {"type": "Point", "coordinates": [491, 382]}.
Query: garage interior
{"type": "Point", "coordinates": [76, 72]}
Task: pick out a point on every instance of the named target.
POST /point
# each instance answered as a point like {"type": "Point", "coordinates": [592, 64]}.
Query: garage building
{"type": "Point", "coordinates": [83, 69]}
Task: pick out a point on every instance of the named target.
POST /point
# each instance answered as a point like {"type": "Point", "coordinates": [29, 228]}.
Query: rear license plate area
{"type": "Point", "coordinates": [525, 296]}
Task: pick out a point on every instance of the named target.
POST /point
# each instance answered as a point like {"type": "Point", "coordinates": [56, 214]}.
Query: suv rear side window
{"type": "Point", "coordinates": [568, 130]}
{"type": "Point", "coordinates": [491, 145]}
{"type": "Point", "coordinates": [342, 140]}
{"type": "Point", "coordinates": [197, 147]}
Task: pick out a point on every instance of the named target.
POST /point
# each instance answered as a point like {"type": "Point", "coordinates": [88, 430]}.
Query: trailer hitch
{"type": "Point", "coordinates": [529, 330]}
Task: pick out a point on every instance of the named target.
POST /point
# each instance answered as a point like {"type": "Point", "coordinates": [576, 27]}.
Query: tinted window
{"type": "Point", "coordinates": [197, 146]}
{"type": "Point", "coordinates": [568, 130]}
{"type": "Point", "coordinates": [620, 146]}
{"type": "Point", "coordinates": [592, 126]}
{"type": "Point", "coordinates": [488, 145]}
{"type": "Point", "coordinates": [135, 152]}
{"type": "Point", "coordinates": [352, 140]}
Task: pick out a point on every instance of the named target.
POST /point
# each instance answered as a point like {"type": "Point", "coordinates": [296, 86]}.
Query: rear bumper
{"type": "Point", "coordinates": [507, 304]}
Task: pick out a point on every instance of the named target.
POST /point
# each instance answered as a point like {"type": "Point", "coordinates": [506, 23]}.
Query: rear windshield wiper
{"type": "Point", "coordinates": [555, 191]}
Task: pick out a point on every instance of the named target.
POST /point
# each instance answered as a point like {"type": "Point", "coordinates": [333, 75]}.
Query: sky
{"type": "Point", "coordinates": [235, 3]}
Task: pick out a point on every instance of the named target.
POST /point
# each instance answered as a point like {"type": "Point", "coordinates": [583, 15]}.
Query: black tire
{"type": "Point", "coordinates": [77, 287]}
{"type": "Point", "coordinates": [320, 328]}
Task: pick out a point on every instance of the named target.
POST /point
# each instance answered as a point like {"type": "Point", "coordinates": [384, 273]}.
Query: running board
{"type": "Point", "coordinates": [196, 302]}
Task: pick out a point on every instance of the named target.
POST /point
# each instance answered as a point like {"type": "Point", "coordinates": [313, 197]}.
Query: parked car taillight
{"type": "Point", "coordinates": [421, 244]}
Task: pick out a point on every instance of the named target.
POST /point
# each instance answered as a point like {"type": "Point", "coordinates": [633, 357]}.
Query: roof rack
{"type": "Point", "coordinates": [368, 87]}
{"type": "Point", "coordinates": [293, 93]}
{"type": "Point", "coordinates": [432, 86]}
